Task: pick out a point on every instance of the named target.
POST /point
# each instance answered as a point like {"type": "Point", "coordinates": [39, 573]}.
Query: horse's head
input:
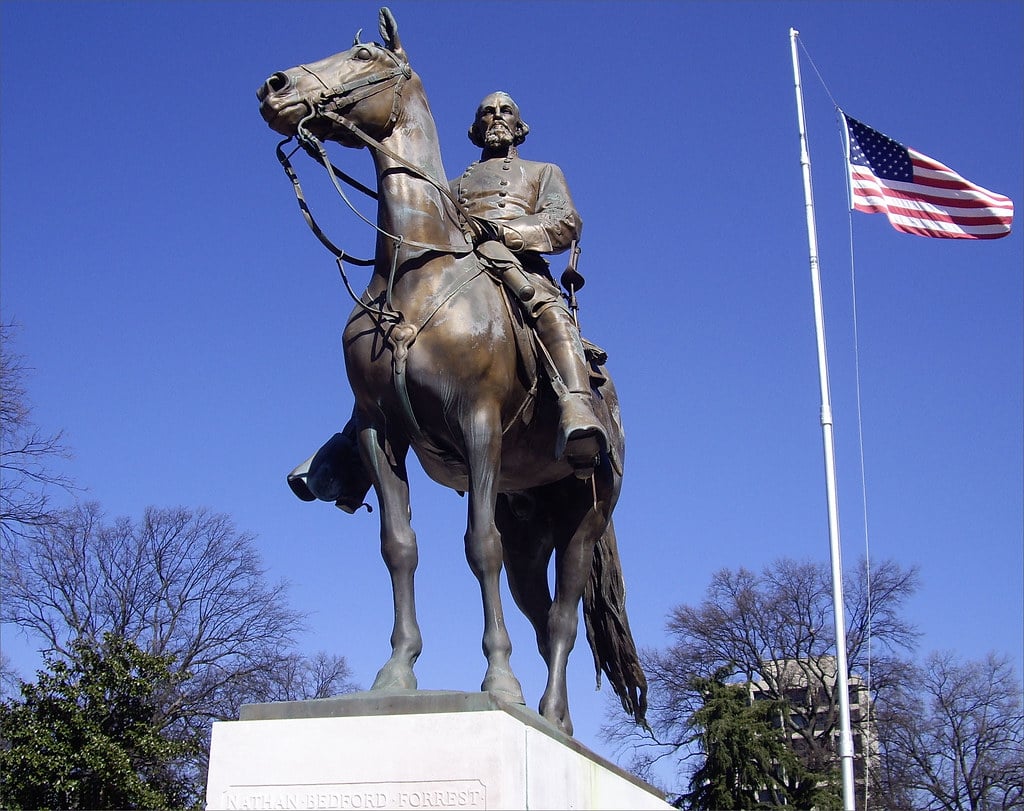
{"type": "Point", "coordinates": [361, 86]}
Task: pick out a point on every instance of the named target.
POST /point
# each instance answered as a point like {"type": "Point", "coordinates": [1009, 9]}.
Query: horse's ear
{"type": "Point", "coordinates": [389, 31]}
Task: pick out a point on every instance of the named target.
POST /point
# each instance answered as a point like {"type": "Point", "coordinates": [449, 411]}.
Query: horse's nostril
{"type": "Point", "coordinates": [275, 84]}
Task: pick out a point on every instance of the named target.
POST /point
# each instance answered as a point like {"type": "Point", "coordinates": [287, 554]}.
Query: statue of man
{"type": "Point", "coordinates": [524, 209]}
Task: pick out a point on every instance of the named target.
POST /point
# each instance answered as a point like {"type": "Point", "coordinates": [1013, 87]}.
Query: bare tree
{"type": "Point", "coordinates": [27, 454]}
{"type": "Point", "coordinates": [299, 678]}
{"type": "Point", "coordinates": [952, 737]}
{"type": "Point", "coordinates": [9, 681]}
{"type": "Point", "coordinates": [180, 583]}
{"type": "Point", "coordinates": [773, 630]}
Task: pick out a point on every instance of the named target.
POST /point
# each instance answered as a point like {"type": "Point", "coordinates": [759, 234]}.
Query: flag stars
{"type": "Point", "coordinates": [884, 156]}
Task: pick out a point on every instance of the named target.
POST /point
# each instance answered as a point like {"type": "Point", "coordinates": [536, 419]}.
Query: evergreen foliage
{"type": "Point", "coordinates": [88, 734]}
{"type": "Point", "coordinates": [747, 762]}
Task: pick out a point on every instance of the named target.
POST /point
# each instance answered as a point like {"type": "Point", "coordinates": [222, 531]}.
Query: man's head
{"type": "Point", "coordinates": [498, 124]}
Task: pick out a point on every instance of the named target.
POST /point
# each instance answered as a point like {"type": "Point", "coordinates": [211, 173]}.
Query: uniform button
{"type": "Point", "coordinates": [501, 204]}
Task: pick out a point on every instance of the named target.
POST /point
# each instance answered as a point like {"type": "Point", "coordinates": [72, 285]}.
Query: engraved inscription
{"type": "Point", "coordinates": [435, 794]}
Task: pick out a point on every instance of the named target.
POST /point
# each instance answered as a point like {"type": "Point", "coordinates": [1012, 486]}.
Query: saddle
{"type": "Point", "coordinates": [501, 264]}
{"type": "Point", "coordinates": [336, 472]}
{"type": "Point", "coordinates": [530, 352]}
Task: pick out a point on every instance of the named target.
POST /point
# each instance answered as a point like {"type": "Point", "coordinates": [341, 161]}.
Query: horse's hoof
{"type": "Point", "coordinates": [394, 677]}
{"type": "Point", "coordinates": [503, 684]}
{"type": "Point", "coordinates": [564, 724]}
{"type": "Point", "coordinates": [556, 713]}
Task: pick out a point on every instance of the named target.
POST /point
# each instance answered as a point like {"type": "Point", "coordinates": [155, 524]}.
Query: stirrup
{"type": "Point", "coordinates": [581, 437]}
{"type": "Point", "coordinates": [583, 454]}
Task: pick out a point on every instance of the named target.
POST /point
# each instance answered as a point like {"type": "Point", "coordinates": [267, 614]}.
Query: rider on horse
{"type": "Point", "coordinates": [521, 209]}
{"type": "Point", "coordinates": [524, 209]}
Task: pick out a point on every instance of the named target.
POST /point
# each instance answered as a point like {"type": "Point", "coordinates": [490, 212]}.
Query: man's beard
{"type": "Point", "coordinates": [498, 135]}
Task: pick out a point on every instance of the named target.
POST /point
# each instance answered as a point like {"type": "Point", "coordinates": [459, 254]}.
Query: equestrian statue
{"type": "Point", "coordinates": [462, 348]}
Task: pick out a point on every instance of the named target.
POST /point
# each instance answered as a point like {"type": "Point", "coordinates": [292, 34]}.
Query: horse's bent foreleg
{"type": "Point", "coordinates": [484, 552]}
{"type": "Point", "coordinates": [386, 464]}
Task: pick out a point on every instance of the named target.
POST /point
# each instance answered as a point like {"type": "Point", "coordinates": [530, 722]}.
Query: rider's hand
{"type": "Point", "coordinates": [488, 230]}
{"type": "Point", "coordinates": [513, 241]}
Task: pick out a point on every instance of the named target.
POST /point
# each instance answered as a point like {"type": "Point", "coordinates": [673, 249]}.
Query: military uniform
{"type": "Point", "coordinates": [530, 201]}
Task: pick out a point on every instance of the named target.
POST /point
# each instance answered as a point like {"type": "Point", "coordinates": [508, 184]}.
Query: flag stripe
{"type": "Point", "coordinates": [948, 179]}
{"type": "Point", "coordinates": [942, 222]}
{"type": "Point", "coordinates": [919, 194]}
{"type": "Point", "coordinates": [961, 207]}
{"type": "Point", "coordinates": [949, 231]}
{"type": "Point", "coordinates": [872, 198]}
{"type": "Point", "coordinates": [874, 205]}
{"type": "Point", "coordinates": [901, 219]}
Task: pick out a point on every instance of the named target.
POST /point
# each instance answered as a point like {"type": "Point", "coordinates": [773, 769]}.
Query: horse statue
{"type": "Point", "coordinates": [440, 360]}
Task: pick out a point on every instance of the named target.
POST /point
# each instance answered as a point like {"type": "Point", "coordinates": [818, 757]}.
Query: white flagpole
{"type": "Point", "coordinates": [846, 737]}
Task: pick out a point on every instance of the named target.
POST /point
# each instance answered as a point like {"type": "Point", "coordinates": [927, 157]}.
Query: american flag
{"type": "Point", "coordinates": [918, 194]}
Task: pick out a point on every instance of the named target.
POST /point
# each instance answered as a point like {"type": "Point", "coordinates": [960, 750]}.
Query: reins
{"type": "Point", "coordinates": [286, 164]}
{"type": "Point", "coordinates": [324, 107]}
{"type": "Point", "coordinates": [401, 333]}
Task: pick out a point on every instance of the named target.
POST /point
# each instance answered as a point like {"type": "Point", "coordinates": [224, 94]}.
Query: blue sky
{"type": "Point", "coordinates": [184, 325]}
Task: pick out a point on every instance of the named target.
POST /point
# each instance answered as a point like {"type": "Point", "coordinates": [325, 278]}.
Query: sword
{"type": "Point", "coordinates": [572, 280]}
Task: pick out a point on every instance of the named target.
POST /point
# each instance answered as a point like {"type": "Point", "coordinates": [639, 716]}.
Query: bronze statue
{"type": "Point", "coordinates": [442, 360]}
{"type": "Point", "coordinates": [525, 208]}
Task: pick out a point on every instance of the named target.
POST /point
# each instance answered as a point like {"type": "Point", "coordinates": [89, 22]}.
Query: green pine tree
{"type": "Point", "coordinates": [747, 764]}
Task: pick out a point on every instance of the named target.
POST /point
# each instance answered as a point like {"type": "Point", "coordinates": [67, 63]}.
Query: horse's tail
{"type": "Point", "coordinates": [604, 613]}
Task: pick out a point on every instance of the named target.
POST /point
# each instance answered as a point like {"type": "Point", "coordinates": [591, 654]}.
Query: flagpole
{"type": "Point", "coordinates": [846, 737]}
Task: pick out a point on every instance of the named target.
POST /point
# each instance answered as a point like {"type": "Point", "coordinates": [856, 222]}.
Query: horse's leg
{"type": "Point", "coordinates": [385, 462]}
{"type": "Point", "coordinates": [528, 545]}
{"type": "Point", "coordinates": [483, 549]}
{"type": "Point", "coordinates": [574, 558]}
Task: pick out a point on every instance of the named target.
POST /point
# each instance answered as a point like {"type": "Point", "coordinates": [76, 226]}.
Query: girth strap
{"type": "Point", "coordinates": [402, 336]}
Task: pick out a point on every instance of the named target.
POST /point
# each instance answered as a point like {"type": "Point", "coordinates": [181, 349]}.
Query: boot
{"type": "Point", "coordinates": [334, 473]}
{"type": "Point", "coordinates": [581, 437]}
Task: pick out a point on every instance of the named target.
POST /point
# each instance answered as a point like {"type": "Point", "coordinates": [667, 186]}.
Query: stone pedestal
{"type": "Point", "coordinates": [409, 750]}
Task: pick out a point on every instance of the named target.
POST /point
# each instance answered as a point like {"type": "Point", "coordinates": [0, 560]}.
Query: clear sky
{"type": "Point", "coordinates": [184, 324]}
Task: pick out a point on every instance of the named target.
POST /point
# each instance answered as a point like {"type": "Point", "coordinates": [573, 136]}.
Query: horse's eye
{"type": "Point", "coordinates": [365, 54]}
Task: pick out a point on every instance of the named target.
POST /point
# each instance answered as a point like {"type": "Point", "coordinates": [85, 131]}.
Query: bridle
{"type": "Point", "coordinates": [340, 95]}
{"type": "Point", "coordinates": [326, 106]}
{"type": "Point", "coordinates": [401, 333]}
